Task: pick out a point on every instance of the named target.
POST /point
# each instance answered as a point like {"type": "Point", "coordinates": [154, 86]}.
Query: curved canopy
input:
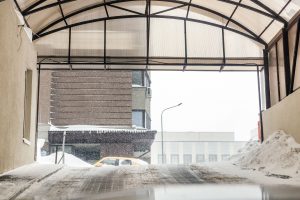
{"type": "Point", "coordinates": [150, 34]}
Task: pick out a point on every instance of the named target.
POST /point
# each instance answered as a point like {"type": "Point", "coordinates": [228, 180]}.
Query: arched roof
{"type": "Point", "coordinates": [180, 34]}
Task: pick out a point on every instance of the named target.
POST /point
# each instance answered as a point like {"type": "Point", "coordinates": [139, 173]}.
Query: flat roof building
{"type": "Point", "coordinates": [194, 147]}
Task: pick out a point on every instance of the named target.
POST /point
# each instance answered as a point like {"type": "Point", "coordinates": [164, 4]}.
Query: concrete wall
{"type": "Point", "coordinates": [16, 55]}
{"type": "Point", "coordinates": [141, 99]}
{"type": "Point", "coordinates": [285, 116]}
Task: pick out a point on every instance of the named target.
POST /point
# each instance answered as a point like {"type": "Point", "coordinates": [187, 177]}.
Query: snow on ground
{"type": "Point", "coordinates": [255, 176]}
{"type": "Point", "coordinates": [276, 161]}
{"type": "Point", "coordinates": [12, 182]}
{"type": "Point", "coordinates": [279, 156]}
{"type": "Point", "coordinates": [70, 160]}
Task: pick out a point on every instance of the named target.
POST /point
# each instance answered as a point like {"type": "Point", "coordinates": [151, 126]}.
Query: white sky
{"type": "Point", "coordinates": [212, 101]}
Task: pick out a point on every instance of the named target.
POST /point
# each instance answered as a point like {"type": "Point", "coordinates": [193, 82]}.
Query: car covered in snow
{"type": "Point", "coordinates": [119, 161]}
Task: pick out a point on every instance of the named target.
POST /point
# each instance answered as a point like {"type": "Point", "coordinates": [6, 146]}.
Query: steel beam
{"type": "Point", "coordinates": [148, 24]}
{"type": "Point", "coordinates": [259, 40]}
{"type": "Point", "coordinates": [178, 2]}
{"type": "Point", "coordinates": [295, 56]}
{"type": "Point", "coordinates": [277, 70]}
{"type": "Point", "coordinates": [105, 31]}
{"type": "Point", "coordinates": [37, 111]}
{"type": "Point", "coordinates": [259, 3]}
{"type": "Point", "coordinates": [259, 102]}
{"type": "Point", "coordinates": [224, 51]}
{"type": "Point", "coordinates": [272, 21]}
{"type": "Point", "coordinates": [106, 11]}
{"type": "Point", "coordinates": [35, 4]}
{"type": "Point", "coordinates": [286, 57]}
{"type": "Point", "coordinates": [125, 9]}
{"type": "Point", "coordinates": [169, 9]}
{"type": "Point", "coordinates": [236, 7]}
{"type": "Point", "coordinates": [185, 37]}
{"type": "Point", "coordinates": [62, 12]}
{"type": "Point", "coordinates": [267, 80]}
{"type": "Point", "coordinates": [51, 5]}
{"type": "Point", "coordinates": [69, 47]}
{"type": "Point", "coordinates": [258, 11]}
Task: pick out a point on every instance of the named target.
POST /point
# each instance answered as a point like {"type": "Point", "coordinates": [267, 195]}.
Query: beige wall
{"type": "Point", "coordinates": [285, 111]}
{"type": "Point", "coordinates": [285, 116]}
{"type": "Point", "coordinates": [16, 54]}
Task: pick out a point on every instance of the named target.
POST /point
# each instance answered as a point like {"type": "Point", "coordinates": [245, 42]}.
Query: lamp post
{"type": "Point", "coordinates": [162, 131]}
{"type": "Point", "coordinates": [62, 128]}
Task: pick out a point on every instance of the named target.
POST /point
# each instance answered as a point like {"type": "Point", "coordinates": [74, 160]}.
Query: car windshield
{"type": "Point", "coordinates": [109, 162]}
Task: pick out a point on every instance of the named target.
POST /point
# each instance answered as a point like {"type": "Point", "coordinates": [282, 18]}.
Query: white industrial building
{"type": "Point", "coordinates": [194, 147]}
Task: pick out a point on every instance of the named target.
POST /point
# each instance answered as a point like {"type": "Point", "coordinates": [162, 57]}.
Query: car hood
{"type": "Point", "coordinates": [199, 192]}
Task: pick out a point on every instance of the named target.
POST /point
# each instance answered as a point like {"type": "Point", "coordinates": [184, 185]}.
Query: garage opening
{"type": "Point", "coordinates": [99, 64]}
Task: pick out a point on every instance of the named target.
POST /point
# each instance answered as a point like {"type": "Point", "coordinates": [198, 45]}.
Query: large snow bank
{"type": "Point", "coordinates": [70, 160]}
{"type": "Point", "coordinates": [279, 155]}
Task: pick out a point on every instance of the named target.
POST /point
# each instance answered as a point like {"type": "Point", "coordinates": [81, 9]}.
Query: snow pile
{"type": "Point", "coordinates": [278, 155]}
{"type": "Point", "coordinates": [249, 146]}
{"type": "Point", "coordinates": [70, 160]}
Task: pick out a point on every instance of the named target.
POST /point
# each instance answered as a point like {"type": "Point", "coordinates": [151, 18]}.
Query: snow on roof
{"type": "Point", "coordinates": [99, 129]}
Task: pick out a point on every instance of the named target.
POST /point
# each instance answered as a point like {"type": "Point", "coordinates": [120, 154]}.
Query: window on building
{"type": "Point", "coordinates": [138, 118]}
{"type": "Point", "coordinates": [200, 158]}
{"type": "Point", "coordinates": [225, 156]}
{"type": "Point", "coordinates": [138, 78]}
{"type": "Point", "coordinates": [212, 157]}
{"type": "Point", "coordinates": [27, 106]}
{"type": "Point", "coordinates": [174, 159]}
{"type": "Point", "coordinates": [161, 159]}
{"type": "Point", "coordinates": [187, 159]}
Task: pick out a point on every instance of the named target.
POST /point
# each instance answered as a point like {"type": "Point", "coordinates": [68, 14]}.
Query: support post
{"type": "Point", "coordinates": [105, 45]}
{"type": "Point", "coordinates": [286, 57]}
{"type": "Point", "coordinates": [295, 56]}
{"type": "Point", "coordinates": [63, 147]}
{"type": "Point", "coordinates": [37, 111]}
{"type": "Point", "coordinates": [260, 110]}
{"type": "Point", "coordinates": [148, 13]}
{"type": "Point", "coordinates": [69, 45]}
{"type": "Point", "coordinates": [267, 80]}
{"type": "Point", "coordinates": [223, 48]}
{"type": "Point", "coordinates": [56, 151]}
{"type": "Point", "coordinates": [162, 139]}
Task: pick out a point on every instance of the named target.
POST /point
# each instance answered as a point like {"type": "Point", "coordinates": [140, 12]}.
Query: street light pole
{"type": "Point", "coordinates": [162, 131]}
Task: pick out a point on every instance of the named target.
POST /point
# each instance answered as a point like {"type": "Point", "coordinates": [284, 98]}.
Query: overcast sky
{"type": "Point", "coordinates": [212, 101]}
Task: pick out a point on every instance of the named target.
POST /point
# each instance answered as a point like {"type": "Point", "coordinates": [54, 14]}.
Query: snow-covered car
{"type": "Point", "coordinates": [119, 161]}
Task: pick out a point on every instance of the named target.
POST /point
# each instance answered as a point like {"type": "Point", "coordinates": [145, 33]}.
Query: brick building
{"type": "Point", "coordinates": [107, 113]}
